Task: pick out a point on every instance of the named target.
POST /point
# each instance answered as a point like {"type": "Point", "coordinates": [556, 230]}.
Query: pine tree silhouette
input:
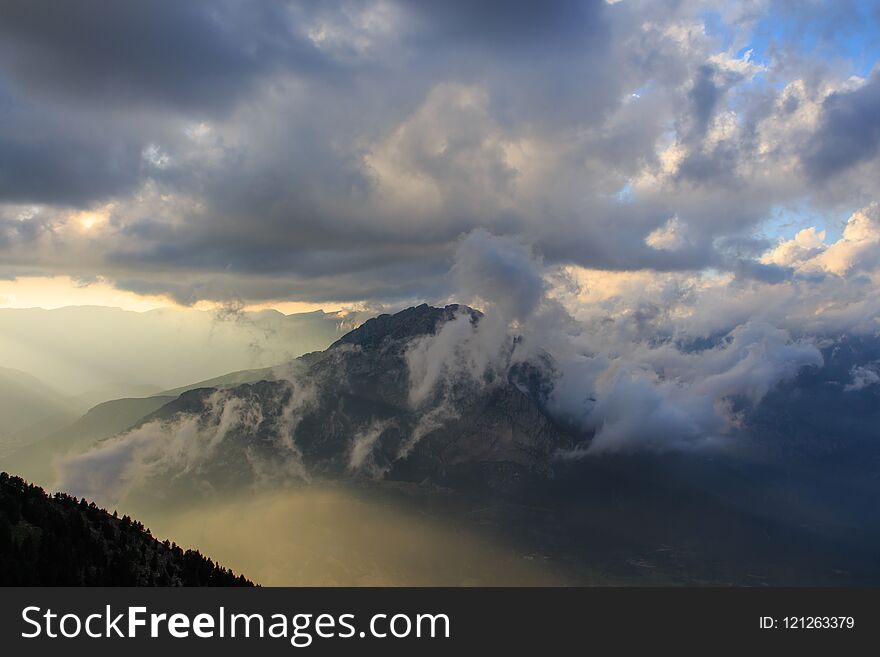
{"type": "Point", "coordinates": [62, 541]}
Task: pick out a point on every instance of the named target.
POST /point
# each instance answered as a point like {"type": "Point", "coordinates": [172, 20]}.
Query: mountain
{"type": "Point", "coordinates": [225, 381]}
{"type": "Point", "coordinates": [62, 541]}
{"type": "Point", "coordinates": [116, 390]}
{"type": "Point", "coordinates": [83, 349]}
{"type": "Point", "coordinates": [346, 412]}
{"type": "Point", "coordinates": [29, 408]}
{"type": "Point", "coordinates": [400, 328]}
{"type": "Point", "coordinates": [484, 453]}
{"type": "Point", "coordinates": [35, 459]}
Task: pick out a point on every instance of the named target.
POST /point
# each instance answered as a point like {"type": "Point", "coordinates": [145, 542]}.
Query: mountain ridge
{"type": "Point", "coordinates": [346, 412]}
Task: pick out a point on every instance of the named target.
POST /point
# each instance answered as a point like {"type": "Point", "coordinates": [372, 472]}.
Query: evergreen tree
{"type": "Point", "coordinates": [63, 541]}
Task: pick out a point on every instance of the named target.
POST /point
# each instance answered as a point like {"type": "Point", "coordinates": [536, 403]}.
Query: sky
{"type": "Point", "coordinates": [321, 155]}
{"type": "Point", "coordinates": [676, 200]}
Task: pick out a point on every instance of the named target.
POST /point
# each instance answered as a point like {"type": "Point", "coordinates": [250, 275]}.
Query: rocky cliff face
{"type": "Point", "coordinates": [346, 412]}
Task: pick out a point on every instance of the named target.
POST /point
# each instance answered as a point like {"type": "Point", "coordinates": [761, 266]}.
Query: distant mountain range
{"type": "Point", "coordinates": [62, 541]}
{"type": "Point", "coordinates": [350, 412]}
{"type": "Point", "coordinates": [35, 457]}
{"type": "Point", "coordinates": [58, 364]}
{"type": "Point", "coordinates": [356, 391]}
{"type": "Point", "coordinates": [794, 503]}
{"type": "Point", "coordinates": [93, 354]}
{"type": "Point", "coordinates": [29, 406]}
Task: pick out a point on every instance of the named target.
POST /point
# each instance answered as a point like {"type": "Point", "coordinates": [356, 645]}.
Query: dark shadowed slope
{"type": "Point", "coordinates": [403, 326]}
{"type": "Point", "coordinates": [347, 413]}
{"type": "Point", "coordinates": [62, 541]}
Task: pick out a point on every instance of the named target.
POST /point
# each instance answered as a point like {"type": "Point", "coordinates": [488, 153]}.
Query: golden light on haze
{"type": "Point", "coordinates": [51, 292]}
{"type": "Point", "coordinates": [285, 307]}
{"type": "Point", "coordinates": [327, 536]}
{"type": "Point", "coordinates": [87, 220]}
{"type": "Point", "coordinates": [598, 285]}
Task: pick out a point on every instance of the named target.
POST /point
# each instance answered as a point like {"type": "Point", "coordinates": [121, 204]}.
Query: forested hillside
{"type": "Point", "coordinates": [61, 541]}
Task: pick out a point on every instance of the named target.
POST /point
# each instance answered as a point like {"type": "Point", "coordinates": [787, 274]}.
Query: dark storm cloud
{"type": "Point", "coordinates": [400, 152]}
{"type": "Point", "coordinates": [849, 132]}
{"type": "Point", "coordinates": [198, 54]}
{"type": "Point", "coordinates": [42, 162]}
{"type": "Point", "coordinates": [266, 206]}
{"type": "Point", "coordinates": [764, 273]}
{"type": "Point", "coordinates": [395, 282]}
{"type": "Point", "coordinates": [616, 241]}
{"type": "Point", "coordinates": [343, 148]}
{"type": "Point", "coordinates": [707, 97]}
{"type": "Point", "coordinates": [15, 233]}
{"type": "Point", "coordinates": [81, 84]}
{"type": "Point", "coordinates": [717, 165]}
{"type": "Point", "coordinates": [499, 23]}
{"type": "Point", "coordinates": [543, 62]}
{"type": "Point", "coordinates": [704, 95]}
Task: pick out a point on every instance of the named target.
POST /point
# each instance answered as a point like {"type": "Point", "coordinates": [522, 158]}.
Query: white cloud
{"type": "Point", "coordinates": [163, 449]}
{"type": "Point", "coordinates": [863, 376]}
{"type": "Point", "coordinates": [361, 451]}
{"type": "Point", "coordinates": [614, 379]}
{"type": "Point", "coordinates": [806, 244]}
{"type": "Point", "coordinates": [671, 236]}
{"type": "Point", "coordinates": [858, 248]}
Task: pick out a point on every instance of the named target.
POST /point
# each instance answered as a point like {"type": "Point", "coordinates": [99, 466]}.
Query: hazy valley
{"type": "Point", "coordinates": [337, 467]}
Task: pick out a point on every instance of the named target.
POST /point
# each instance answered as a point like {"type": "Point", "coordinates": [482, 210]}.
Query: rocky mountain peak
{"type": "Point", "coordinates": [404, 325]}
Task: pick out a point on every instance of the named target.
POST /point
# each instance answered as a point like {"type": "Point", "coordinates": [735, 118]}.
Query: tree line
{"type": "Point", "coordinates": [59, 540]}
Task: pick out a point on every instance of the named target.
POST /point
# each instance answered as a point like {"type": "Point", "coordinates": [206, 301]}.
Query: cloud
{"type": "Point", "coordinates": [360, 456]}
{"type": "Point", "coordinates": [625, 377]}
{"type": "Point", "coordinates": [48, 156]}
{"type": "Point", "coordinates": [664, 398]}
{"type": "Point", "coordinates": [81, 349]}
{"type": "Point", "coordinates": [246, 439]}
{"type": "Point", "coordinates": [764, 272]}
{"type": "Point", "coordinates": [849, 131]}
{"type": "Point", "coordinates": [157, 447]}
{"type": "Point", "coordinates": [858, 248]}
{"type": "Point", "coordinates": [806, 243]}
{"type": "Point", "coordinates": [633, 360]}
{"type": "Point", "coordinates": [863, 376]}
{"type": "Point", "coordinates": [501, 272]}
{"type": "Point", "coordinates": [669, 237]}
{"type": "Point", "coordinates": [337, 151]}
{"type": "Point", "coordinates": [198, 55]}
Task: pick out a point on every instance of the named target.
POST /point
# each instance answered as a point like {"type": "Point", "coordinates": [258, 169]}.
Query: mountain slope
{"type": "Point", "coordinates": [79, 349]}
{"type": "Point", "coordinates": [117, 390]}
{"type": "Point", "coordinates": [403, 326]}
{"type": "Point", "coordinates": [60, 541]}
{"type": "Point", "coordinates": [347, 413]}
{"type": "Point", "coordinates": [34, 460]}
{"type": "Point", "coordinates": [225, 381]}
{"type": "Point", "coordinates": [28, 407]}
